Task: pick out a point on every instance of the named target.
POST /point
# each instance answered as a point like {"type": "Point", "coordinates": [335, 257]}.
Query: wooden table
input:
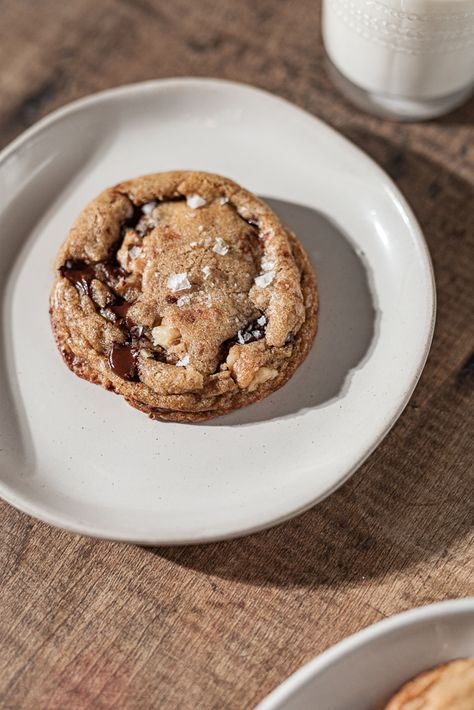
{"type": "Point", "coordinates": [90, 624]}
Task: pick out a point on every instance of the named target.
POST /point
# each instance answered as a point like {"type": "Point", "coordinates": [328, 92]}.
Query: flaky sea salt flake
{"type": "Point", "coordinates": [178, 282]}
{"type": "Point", "coordinates": [268, 264]}
{"type": "Point", "coordinates": [183, 301]}
{"type": "Point", "coordinates": [195, 201]}
{"type": "Point", "coordinates": [262, 320]}
{"type": "Point", "coordinates": [264, 279]}
{"type": "Point", "coordinates": [183, 362]}
{"type": "Point", "coordinates": [206, 271]}
{"type": "Point", "coordinates": [148, 207]}
{"type": "Point", "coordinates": [220, 247]}
{"type": "Point", "coordinates": [135, 252]}
{"type": "Point", "coordinates": [223, 200]}
{"type": "Point", "coordinates": [243, 337]}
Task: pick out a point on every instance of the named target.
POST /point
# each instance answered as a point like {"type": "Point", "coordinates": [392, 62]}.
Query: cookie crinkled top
{"type": "Point", "coordinates": [184, 281]}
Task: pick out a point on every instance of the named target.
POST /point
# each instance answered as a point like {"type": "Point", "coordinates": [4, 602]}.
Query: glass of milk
{"type": "Point", "coordinates": [402, 59]}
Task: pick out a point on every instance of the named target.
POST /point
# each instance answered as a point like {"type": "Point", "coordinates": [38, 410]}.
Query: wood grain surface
{"type": "Point", "coordinates": [91, 624]}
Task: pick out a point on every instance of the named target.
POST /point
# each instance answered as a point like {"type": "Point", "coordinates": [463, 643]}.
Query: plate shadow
{"type": "Point", "coordinates": [347, 319]}
{"type": "Point", "coordinates": [410, 506]}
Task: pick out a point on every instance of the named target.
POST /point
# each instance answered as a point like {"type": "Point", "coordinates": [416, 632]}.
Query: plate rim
{"type": "Point", "coordinates": [283, 692]}
{"type": "Point", "coordinates": [22, 503]}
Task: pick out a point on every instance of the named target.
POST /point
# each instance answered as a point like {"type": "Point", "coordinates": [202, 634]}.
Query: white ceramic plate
{"type": "Point", "coordinates": [78, 457]}
{"type": "Point", "coordinates": [365, 670]}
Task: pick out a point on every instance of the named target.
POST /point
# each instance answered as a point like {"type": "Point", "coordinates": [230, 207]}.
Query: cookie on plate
{"type": "Point", "coordinates": [184, 293]}
{"type": "Point", "coordinates": [446, 687]}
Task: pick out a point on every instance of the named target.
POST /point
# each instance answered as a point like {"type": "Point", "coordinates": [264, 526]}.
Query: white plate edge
{"type": "Point", "coordinates": [391, 418]}
{"type": "Point", "coordinates": [405, 619]}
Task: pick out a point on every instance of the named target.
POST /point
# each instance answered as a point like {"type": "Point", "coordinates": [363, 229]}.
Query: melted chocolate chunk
{"type": "Point", "coordinates": [120, 308]}
{"type": "Point", "coordinates": [159, 355]}
{"type": "Point", "coordinates": [78, 273]}
{"type": "Point", "coordinates": [253, 331]}
{"type": "Point", "coordinates": [109, 272]}
{"type": "Point", "coordinates": [123, 361]}
{"type": "Point", "coordinates": [136, 331]}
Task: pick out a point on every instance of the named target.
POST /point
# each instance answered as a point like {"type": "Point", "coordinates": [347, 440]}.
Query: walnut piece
{"type": "Point", "coordinates": [165, 335]}
{"type": "Point", "coordinates": [263, 375]}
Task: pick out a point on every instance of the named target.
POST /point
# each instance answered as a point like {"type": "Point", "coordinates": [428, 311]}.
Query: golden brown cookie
{"type": "Point", "coordinates": [184, 293]}
{"type": "Point", "coordinates": [446, 687]}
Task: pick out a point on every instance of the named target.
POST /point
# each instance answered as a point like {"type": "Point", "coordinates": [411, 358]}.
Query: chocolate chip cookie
{"type": "Point", "coordinates": [184, 293]}
{"type": "Point", "coordinates": [450, 686]}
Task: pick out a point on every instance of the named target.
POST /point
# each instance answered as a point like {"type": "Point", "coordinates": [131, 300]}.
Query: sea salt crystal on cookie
{"type": "Point", "coordinates": [266, 233]}
{"type": "Point", "coordinates": [262, 320]}
{"type": "Point", "coordinates": [200, 228]}
{"type": "Point", "coordinates": [183, 301]}
{"type": "Point", "coordinates": [193, 244]}
{"type": "Point", "coordinates": [148, 207]}
{"type": "Point", "coordinates": [178, 282]}
{"type": "Point", "coordinates": [220, 247]}
{"type": "Point", "coordinates": [265, 279]}
{"type": "Point", "coordinates": [243, 337]}
{"type": "Point", "coordinates": [183, 362]}
{"type": "Point", "coordinates": [206, 270]}
{"type": "Point", "coordinates": [135, 252]}
{"type": "Point", "coordinates": [268, 264]}
{"type": "Point", "coordinates": [195, 201]}
{"type": "Point", "coordinates": [223, 200]}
